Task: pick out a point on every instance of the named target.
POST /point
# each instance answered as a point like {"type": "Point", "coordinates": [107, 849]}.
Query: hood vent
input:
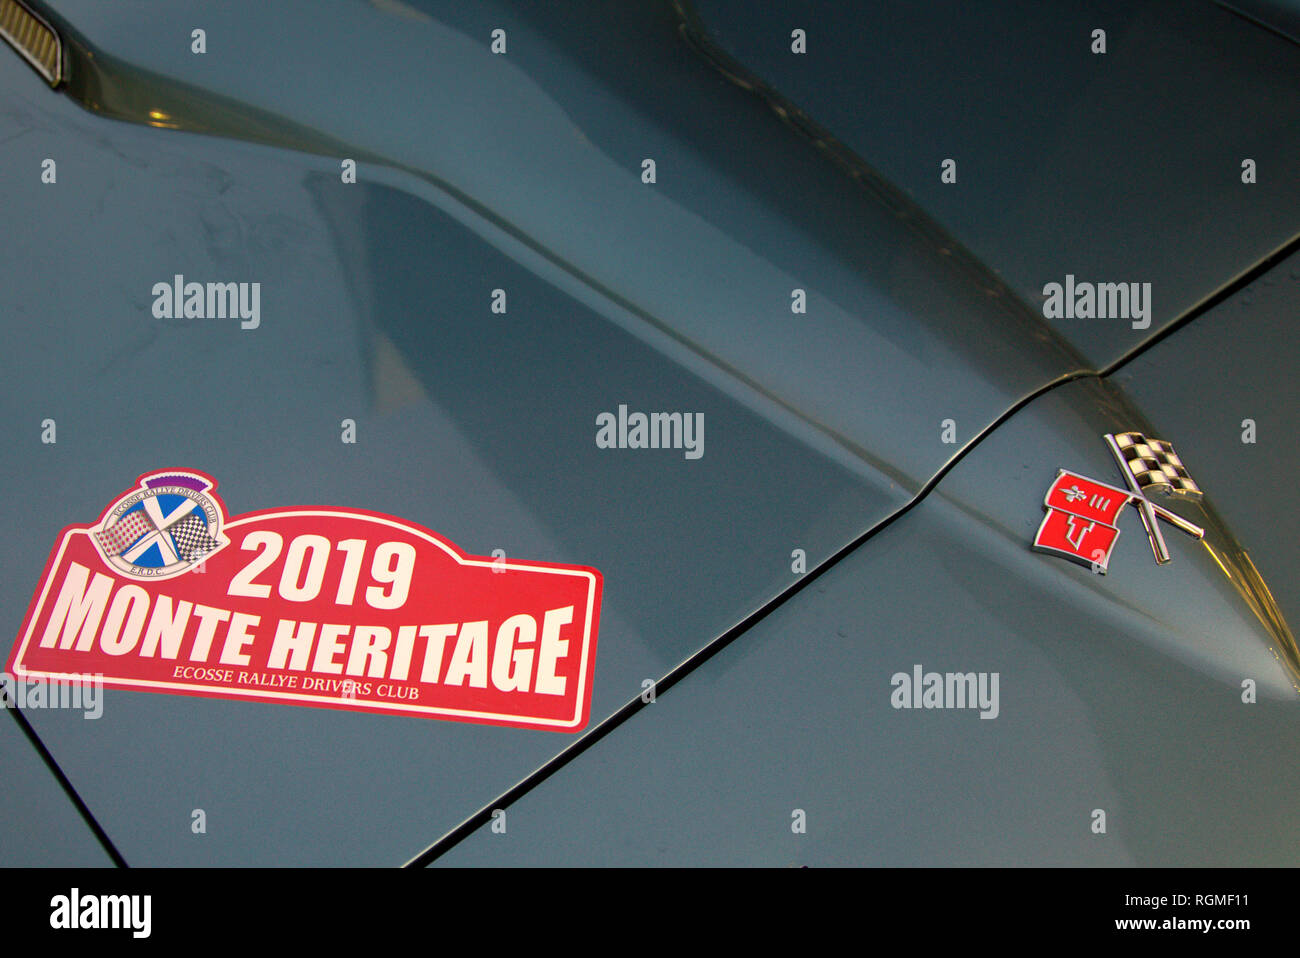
{"type": "Point", "coordinates": [34, 39]}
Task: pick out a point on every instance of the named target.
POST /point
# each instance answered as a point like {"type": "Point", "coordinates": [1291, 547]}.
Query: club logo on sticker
{"type": "Point", "coordinates": [329, 607]}
{"type": "Point", "coordinates": [163, 528]}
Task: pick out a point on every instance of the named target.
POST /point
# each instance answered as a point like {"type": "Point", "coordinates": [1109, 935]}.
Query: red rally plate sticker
{"type": "Point", "coordinates": [309, 605]}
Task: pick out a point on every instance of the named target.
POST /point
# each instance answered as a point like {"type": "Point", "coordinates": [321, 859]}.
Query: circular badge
{"type": "Point", "coordinates": [166, 527]}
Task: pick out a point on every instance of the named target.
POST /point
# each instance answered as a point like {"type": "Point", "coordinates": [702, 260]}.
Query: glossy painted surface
{"type": "Point", "coordinates": [1120, 167]}
{"type": "Point", "coordinates": [797, 715]}
{"type": "Point", "coordinates": [1120, 693]}
{"type": "Point", "coordinates": [1280, 15]}
{"type": "Point", "coordinates": [522, 173]}
{"type": "Point", "coordinates": [39, 827]}
{"type": "Point", "coordinates": [478, 426]}
{"type": "Point", "coordinates": [545, 145]}
{"type": "Point", "coordinates": [1228, 377]}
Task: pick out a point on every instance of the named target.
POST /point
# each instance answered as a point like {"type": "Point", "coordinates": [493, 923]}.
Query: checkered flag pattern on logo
{"type": "Point", "coordinates": [1155, 466]}
{"type": "Point", "coordinates": [126, 530]}
{"type": "Point", "coordinates": [191, 537]}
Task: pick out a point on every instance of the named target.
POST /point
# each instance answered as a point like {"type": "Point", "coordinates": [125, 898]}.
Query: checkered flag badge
{"type": "Point", "coordinates": [1155, 466]}
{"type": "Point", "coordinates": [191, 537]}
{"type": "Point", "coordinates": [119, 537]}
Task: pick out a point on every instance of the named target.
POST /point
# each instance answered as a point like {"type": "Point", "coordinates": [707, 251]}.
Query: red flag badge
{"type": "Point", "coordinates": [1085, 497]}
{"type": "Point", "coordinates": [1078, 538]}
{"type": "Point", "coordinates": [1082, 513]}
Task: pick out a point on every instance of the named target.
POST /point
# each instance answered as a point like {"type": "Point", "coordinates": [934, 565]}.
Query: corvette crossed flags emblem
{"type": "Point", "coordinates": [1080, 524]}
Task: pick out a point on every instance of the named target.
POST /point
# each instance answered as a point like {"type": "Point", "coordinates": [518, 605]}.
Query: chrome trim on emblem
{"type": "Point", "coordinates": [1161, 469]}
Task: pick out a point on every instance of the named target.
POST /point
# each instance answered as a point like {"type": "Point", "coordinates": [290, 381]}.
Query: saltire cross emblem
{"type": "Point", "coordinates": [162, 528]}
{"type": "Point", "coordinates": [177, 534]}
{"type": "Point", "coordinates": [1082, 514]}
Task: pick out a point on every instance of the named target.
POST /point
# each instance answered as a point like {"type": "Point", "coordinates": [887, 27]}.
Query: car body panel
{"type": "Point", "coordinates": [1113, 167]}
{"type": "Point", "coordinates": [1280, 15]}
{"type": "Point", "coordinates": [451, 436]}
{"type": "Point", "coordinates": [478, 173]}
{"type": "Point", "coordinates": [1121, 693]}
{"type": "Point", "coordinates": [41, 826]}
{"type": "Point", "coordinates": [901, 331]}
{"type": "Point", "coordinates": [1237, 363]}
